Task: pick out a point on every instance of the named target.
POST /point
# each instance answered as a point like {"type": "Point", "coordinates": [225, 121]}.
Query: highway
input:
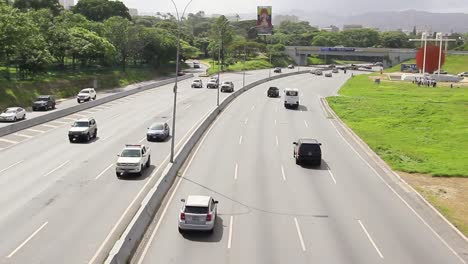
{"type": "Point", "coordinates": [61, 202]}
{"type": "Point", "coordinates": [273, 211]}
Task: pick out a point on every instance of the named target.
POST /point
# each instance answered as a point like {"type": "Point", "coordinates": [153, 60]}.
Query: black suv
{"type": "Point", "coordinates": [308, 151]}
{"type": "Point", "coordinates": [44, 102]}
{"type": "Point", "coordinates": [273, 92]}
{"type": "Point", "coordinates": [277, 70]}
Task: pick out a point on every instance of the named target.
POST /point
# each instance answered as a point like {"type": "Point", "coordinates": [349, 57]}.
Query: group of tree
{"type": "Point", "coordinates": [41, 35]}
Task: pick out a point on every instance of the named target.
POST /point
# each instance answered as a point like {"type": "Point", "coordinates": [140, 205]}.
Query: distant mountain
{"type": "Point", "coordinates": [436, 22]}
{"type": "Point", "coordinates": [392, 20]}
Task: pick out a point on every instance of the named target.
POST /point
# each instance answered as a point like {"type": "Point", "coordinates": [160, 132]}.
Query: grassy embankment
{"type": "Point", "coordinates": [418, 130]}
{"type": "Point", "coordinates": [64, 84]}
{"type": "Point", "coordinates": [454, 64]}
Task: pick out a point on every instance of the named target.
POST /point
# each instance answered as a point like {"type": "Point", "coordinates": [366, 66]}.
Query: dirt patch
{"type": "Point", "coordinates": [448, 195]}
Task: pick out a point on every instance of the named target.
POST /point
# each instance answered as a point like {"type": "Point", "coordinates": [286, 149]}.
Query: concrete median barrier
{"type": "Point", "coordinates": [126, 246]}
{"type": "Point", "coordinates": [74, 109]}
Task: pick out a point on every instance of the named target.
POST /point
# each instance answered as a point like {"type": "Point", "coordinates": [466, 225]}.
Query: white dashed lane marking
{"type": "Point", "coordinates": [8, 141]}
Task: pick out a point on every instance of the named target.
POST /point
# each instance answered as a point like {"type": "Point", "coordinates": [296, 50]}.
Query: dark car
{"type": "Point", "coordinates": [158, 132]}
{"type": "Point", "coordinates": [44, 102]}
{"type": "Point", "coordinates": [277, 70]}
{"type": "Point", "coordinates": [308, 151]}
{"type": "Point", "coordinates": [180, 73]}
{"type": "Point", "coordinates": [273, 92]}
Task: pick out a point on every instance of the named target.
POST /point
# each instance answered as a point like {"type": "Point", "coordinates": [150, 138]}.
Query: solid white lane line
{"type": "Point", "coordinates": [27, 240]}
{"type": "Point", "coordinates": [305, 123]}
{"type": "Point", "coordinates": [158, 224]}
{"type": "Point", "coordinates": [22, 135]}
{"type": "Point", "coordinates": [299, 234]}
{"type": "Point", "coordinates": [246, 120]}
{"type": "Point", "coordinates": [282, 173]}
{"type": "Point", "coordinates": [67, 118]}
{"type": "Point", "coordinates": [35, 130]}
{"type": "Point", "coordinates": [11, 166]}
{"type": "Point", "coordinates": [47, 125]}
{"type": "Point", "coordinates": [370, 239]}
{"type": "Point", "coordinates": [399, 196]}
{"type": "Point", "coordinates": [187, 107]}
{"type": "Point", "coordinates": [8, 141]}
{"type": "Point", "coordinates": [104, 171]}
{"type": "Point", "coordinates": [277, 142]}
{"type": "Point", "coordinates": [54, 170]}
{"type": "Point", "coordinates": [114, 228]}
{"type": "Point", "coordinates": [240, 140]}
{"type": "Point", "coordinates": [79, 115]}
{"type": "Point", "coordinates": [88, 112]}
{"type": "Point", "coordinates": [331, 174]}
{"type": "Point", "coordinates": [235, 172]}
{"type": "Point", "coordinates": [230, 232]}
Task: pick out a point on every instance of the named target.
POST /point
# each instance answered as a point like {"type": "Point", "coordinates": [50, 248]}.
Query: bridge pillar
{"type": "Point", "coordinates": [302, 60]}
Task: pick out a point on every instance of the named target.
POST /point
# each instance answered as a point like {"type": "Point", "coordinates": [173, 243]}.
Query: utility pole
{"type": "Point", "coordinates": [176, 79]}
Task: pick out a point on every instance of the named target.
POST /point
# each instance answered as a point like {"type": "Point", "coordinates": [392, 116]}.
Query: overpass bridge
{"type": "Point", "coordinates": [389, 57]}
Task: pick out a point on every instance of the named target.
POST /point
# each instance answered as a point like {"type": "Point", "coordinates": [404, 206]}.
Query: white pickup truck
{"type": "Point", "coordinates": [133, 159]}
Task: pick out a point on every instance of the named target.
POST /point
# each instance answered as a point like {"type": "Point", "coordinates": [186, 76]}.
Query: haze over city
{"type": "Point", "coordinates": [337, 7]}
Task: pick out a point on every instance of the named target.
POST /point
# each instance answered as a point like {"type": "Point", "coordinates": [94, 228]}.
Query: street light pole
{"type": "Point", "coordinates": [219, 70]}
{"type": "Point", "coordinates": [176, 78]}
{"type": "Point", "coordinates": [243, 75]}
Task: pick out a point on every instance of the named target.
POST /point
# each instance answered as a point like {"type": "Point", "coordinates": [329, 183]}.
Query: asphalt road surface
{"type": "Point", "coordinates": [273, 211]}
{"type": "Point", "coordinates": [60, 202]}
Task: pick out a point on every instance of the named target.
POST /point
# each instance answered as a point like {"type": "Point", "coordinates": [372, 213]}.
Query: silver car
{"type": "Point", "coordinates": [13, 114]}
{"type": "Point", "coordinates": [158, 131]}
{"type": "Point", "coordinates": [198, 213]}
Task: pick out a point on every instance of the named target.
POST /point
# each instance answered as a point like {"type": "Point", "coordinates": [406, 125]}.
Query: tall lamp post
{"type": "Point", "coordinates": [176, 78]}
{"type": "Point", "coordinates": [219, 57]}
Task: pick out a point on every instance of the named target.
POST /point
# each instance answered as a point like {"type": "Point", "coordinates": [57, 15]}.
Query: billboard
{"type": "Point", "coordinates": [264, 22]}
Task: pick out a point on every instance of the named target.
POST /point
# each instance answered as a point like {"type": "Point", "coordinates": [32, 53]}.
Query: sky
{"type": "Point", "coordinates": [335, 7]}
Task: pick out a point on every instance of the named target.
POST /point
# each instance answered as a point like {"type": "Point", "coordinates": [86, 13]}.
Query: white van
{"type": "Point", "coordinates": [291, 98]}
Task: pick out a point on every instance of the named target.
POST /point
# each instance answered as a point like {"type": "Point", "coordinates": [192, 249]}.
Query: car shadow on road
{"type": "Point", "coordinates": [84, 142]}
{"type": "Point", "coordinates": [135, 177]}
{"type": "Point", "coordinates": [204, 236]}
{"type": "Point", "coordinates": [323, 166]}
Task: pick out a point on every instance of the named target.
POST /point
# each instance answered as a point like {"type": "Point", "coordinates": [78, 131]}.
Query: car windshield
{"type": "Point", "coordinates": [196, 80]}
{"type": "Point", "coordinates": [42, 99]}
{"type": "Point", "coordinates": [84, 91]}
{"type": "Point", "coordinates": [291, 93]}
{"type": "Point", "coordinates": [157, 127]}
{"type": "Point", "coordinates": [309, 148]}
{"type": "Point", "coordinates": [81, 124]}
{"type": "Point", "coordinates": [10, 111]}
{"type": "Point", "coordinates": [196, 210]}
{"type": "Point", "coordinates": [131, 153]}
{"type": "Point", "coordinates": [273, 89]}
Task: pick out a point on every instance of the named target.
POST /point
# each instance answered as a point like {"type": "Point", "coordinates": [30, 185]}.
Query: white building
{"type": "Point", "coordinates": [67, 4]}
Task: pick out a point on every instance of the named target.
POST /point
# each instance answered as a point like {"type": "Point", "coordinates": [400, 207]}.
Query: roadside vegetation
{"type": "Point", "coordinates": [420, 132]}
{"type": "Point", "coordinates": [414, 129]}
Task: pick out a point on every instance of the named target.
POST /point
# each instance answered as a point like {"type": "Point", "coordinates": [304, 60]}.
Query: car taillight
{"type": "Point", "coordinates": [208, 217]}
{"type": "Point", "coordinates": [182, 216]}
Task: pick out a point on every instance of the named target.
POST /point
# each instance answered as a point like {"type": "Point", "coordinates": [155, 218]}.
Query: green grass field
{"type": "Point", "coordinates": [64, 84]}
{"type": "Point", "coordinates": [414, 129]}
{"type": "Point", "coordinates": [454, 64]}
{"type": "Point", "coordinates": [255, 64]}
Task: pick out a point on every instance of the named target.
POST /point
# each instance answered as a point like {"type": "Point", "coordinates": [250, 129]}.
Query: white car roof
{"type": "Point", "coordinates": [291, 89]}
{"type": "Point", "coordinates": [131, 146]}
{"type": "Point", "coordinates": [197, 200]}
{"type": "Point", "coordinates": [13, 108]}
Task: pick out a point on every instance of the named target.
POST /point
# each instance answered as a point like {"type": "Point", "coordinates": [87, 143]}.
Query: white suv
{"type": "Point", "coordinates": [86, 95]}
{"type": "Point", "coordinates": [133, 159]}
{"type": "Point", "coordinates": [291, 98]}
{"type": "Point", "coordinates": [198, 213]}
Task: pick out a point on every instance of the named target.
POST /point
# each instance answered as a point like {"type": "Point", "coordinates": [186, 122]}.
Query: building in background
{"type": "Point", "coordinates": [331, 28]}
{"type": "Point", "coordinates": [280, 18]}
{"type": "Point", "coordinates": [350, 27]}
{"type": "Point", "coordinates": [133, 12]}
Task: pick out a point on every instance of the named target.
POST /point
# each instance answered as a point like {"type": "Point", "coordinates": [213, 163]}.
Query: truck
{"type": "Point", "coordinates": [133, 159]}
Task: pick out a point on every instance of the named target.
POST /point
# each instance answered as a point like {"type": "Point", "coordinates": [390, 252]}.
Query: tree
{"type": "Point", "coordinates": [100, 10]}
{"type": "Point", "coordinates": [327, 39]}
{"type": "Point", "coordinates": [360, 38]}
{"type": "Point", "coordinates": [87, 47]}
{"type": "Point", "coordinates": [159, 46]}
{"type": "Point", "coordinates": [222, 34]}
{"type": "Point", "coordinates": [25, 5]}
{"type": "Point", "coordinates": [394, 39]}
{"type": "Point", "coordinates": [117, 31]}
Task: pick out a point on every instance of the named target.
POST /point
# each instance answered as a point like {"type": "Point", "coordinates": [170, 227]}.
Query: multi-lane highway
{"type": "Point", "coordinates": [274, 211]}
{"type": "Point", "coordinates": [61, 202]}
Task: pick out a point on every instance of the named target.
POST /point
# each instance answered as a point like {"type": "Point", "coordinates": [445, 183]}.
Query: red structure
{"type": "Point", "coordinates": [432, 58]}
